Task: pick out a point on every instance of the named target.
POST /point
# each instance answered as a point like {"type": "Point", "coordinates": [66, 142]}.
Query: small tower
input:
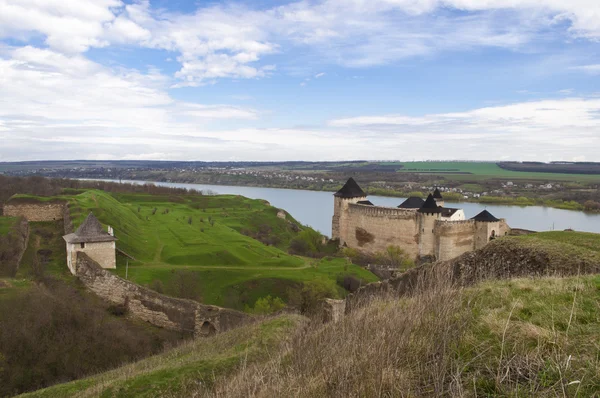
{"type": "Point", "coordinates": [350, 193]}
{"type": "Point", "coordinates": [487, 228]}
{"type": "Point", "coordinates": [91, 239]}
{"type": "Point", "coordinates": [437, 195]}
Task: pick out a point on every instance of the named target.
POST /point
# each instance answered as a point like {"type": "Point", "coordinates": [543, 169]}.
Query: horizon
{"type": "Point", "coordinates": [316, 81]}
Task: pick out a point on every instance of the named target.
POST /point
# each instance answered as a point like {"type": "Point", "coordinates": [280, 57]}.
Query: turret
{"type": "Point", "coordinates": [437, 195]}
{"type": "Point", "coordinates": [350, 193]}
{"type": "Point", "coordinates": [487, 228]}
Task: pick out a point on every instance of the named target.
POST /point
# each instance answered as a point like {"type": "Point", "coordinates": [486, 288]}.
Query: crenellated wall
{"type": "Point", "coordinates": [422, 236]}
{"type": "Point", "coordinates": [374, 228]}
{"type": "Point", "coordinates": [170, 313]}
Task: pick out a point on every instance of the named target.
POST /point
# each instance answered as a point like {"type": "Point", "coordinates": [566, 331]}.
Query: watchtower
{"type": "Point", "coordinates": [350, 193]}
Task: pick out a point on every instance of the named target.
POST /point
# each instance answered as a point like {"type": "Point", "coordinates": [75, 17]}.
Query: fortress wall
{"type": "Point", "coordinates": [504, 228]}
{"type": "Point", "coordinates": [104, 253]}
{"type": "Point", "coordinates": [181, 315]}
{"type": "Point", "coordinates": [428, 242]}
{"type": "Point", "coordinates": [373, 228]}
{"type": "Point", "coordinates": [454, 238]}
{"type": "Point", "coordinates": [35, 211]}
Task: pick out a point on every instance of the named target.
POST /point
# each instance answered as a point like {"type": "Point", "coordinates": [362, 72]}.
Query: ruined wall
{"type": "Point", "coordinates": [504, 228]}
{"type": "Point", "coordinates": [454, 238]}
{"type": "Point", "coordinates": [35, 211]}
{"type": "Point", "coordinates": [374, 228]}
{"type": "Point", "coordinates": [170, 313]}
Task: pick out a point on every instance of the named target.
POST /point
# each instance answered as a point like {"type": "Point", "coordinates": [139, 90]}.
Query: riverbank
{"type": "Point", "coordinates": [521, 201]}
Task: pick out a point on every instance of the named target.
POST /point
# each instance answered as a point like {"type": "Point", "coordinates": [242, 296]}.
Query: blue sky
{"type": "Point", "coordinates": [300, 80]}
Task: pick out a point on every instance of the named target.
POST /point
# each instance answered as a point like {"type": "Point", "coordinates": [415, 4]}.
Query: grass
{"type": "Point", "coordinates": [181, 369]}
{"type": "Point", "coordinates": [483, 170]}
{"type": "Point", "coordinates": [6, 223]}
{"type": "Point", "coordinates": [230, 268]}
{"type": "Point", "coordinates": [45, 237]}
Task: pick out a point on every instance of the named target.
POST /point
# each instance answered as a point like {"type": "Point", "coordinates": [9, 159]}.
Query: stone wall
{"type": "Point", "coordinates": [373, 228]}
{"type": "Point", "coordinates": [104, 253]}
{"type": "Point", "coordinates": [170, 313]}
{"type": "Point", "coordinates": [454, 238]}
{"type": "Point", "coordinates": [51, 211]}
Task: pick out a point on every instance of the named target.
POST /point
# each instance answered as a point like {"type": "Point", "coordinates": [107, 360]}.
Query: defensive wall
{"type": "Point", "coordinates": [167, 312]}
{"type": "Point", "coordinates": [422, 236]}
{"type": "Point", "coordinates": [35, 211]}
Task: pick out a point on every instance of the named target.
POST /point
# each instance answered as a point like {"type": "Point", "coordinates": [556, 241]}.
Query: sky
{"type": "Point", "coordinates": [300, 80]}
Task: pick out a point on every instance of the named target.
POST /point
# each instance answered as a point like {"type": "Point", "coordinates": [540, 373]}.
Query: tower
{"type": "Point", "coordinates": [349, 193]}
{"type": "Point", "coordinates": [437, 195]}
{"type": "Point", "coordinates": [429, 213]}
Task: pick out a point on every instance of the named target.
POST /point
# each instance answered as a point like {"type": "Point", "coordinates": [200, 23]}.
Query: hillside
{"type": "Point", "coordinates": [202, 247]}
{"type": "Point", "coordinates": [519, 337]}
{"type": "Point", "coordinates": [522, 337]}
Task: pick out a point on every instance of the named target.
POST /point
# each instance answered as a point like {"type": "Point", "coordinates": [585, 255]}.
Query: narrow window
{"type": "Point", "coordinates": [82, 245]}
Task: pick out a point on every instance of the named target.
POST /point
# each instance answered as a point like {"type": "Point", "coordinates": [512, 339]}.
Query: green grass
{"type": "Point", "coordinates": [45, 236]}
{"type": "Point", "coordinates": [231, 269]}
{"type": "Point", "coordinates": [176, 371]}
{"type": "Point", "coordinates": [482, 170]}
{"type": "Point", "coordinates": [536, 336]}
{"type": "Point", "coordinates": [6, 223]}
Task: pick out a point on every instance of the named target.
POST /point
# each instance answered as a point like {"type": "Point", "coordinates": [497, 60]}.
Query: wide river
{"type": "Point", "coordinates": [315, 208]}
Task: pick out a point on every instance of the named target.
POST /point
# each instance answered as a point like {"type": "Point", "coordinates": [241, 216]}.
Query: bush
{"type": "Point", "coordinates": [267, 305]}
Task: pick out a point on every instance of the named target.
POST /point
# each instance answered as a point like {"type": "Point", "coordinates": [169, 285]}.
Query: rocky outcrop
{"type": "Point", "coordinates": [170, 313]}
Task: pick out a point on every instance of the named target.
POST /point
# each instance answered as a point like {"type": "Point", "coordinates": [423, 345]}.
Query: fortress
{"type": "Point", "coordinates": [425, 230]}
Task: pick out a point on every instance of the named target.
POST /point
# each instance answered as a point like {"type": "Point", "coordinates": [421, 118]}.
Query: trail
{"type": "Point", "coordinates": [240, 268]}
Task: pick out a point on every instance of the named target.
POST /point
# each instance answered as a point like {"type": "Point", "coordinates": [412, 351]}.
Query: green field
{"type": "Point", "coordinates": [484, 170]}
{"type": "Point", "coordinates": [6, 223]}
{"type": "Point", "coordinates": [196, 241]}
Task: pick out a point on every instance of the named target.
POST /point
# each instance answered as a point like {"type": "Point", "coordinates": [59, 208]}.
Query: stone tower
{"type": "Point", "coordinates": [429, 213]}
{"type": "Point", "coordinates": [437, 195]}
{"type": "Point", "coordinates": [90, 238]}
{"type": "Point", "coordinates": [487, 227]}
{"type": "Point", "coordinates": [350, 193]}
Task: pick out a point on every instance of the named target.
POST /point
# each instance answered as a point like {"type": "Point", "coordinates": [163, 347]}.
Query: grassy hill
{"type": "Point", "coordinates": [202, 247]}
{"type": "Point", "coordinates": [525, 337]}
{"type": "Point", "coordinates": [6, 223]}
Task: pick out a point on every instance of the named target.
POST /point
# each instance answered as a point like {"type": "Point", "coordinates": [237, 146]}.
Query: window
{"type": "Point", "coordinates": [82, 245]}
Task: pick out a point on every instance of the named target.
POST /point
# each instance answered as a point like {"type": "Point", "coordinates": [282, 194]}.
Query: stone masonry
{"type": "Point", "coordinates": [181, 315]}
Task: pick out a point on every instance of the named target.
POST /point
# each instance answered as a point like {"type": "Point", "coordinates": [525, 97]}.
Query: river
{"type": "Point", "coordinates": [315, 208]}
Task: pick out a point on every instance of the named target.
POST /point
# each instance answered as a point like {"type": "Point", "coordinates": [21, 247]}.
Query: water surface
{"type": "Point", "coordinates": [315, 208]}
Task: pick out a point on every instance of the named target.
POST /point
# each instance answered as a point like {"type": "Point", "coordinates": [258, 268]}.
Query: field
{"type": "Point", "coordinates": [468, 170]}
{"type": "Point", "coordinates": [192, 246]}
{"type": "Point", "coordinates": [6, 223]}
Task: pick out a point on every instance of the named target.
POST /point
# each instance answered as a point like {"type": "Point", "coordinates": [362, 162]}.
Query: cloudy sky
{"type": "Point", "coordinates": [300, 80]}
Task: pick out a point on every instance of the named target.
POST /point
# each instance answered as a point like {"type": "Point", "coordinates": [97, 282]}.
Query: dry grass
{"type": "Point", "coordinates": [526, 337]}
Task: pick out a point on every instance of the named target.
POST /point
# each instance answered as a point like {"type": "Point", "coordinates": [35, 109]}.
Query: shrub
{"type": "Point", "coordinates": [267, 305]}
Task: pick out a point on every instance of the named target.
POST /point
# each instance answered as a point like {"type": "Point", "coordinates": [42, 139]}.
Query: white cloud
{"type": "Point", "coordinates": [318, 75]}
{"type": "Point", "coordinates": [592, 69]}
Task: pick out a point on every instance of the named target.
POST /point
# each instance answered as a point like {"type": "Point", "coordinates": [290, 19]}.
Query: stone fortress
{"type": "Point", "coordinates": [425, 229]}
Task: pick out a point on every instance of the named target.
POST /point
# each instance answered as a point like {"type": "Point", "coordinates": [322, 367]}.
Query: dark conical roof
{"type": "Point", "coordinates": [89, 231]}
{"type": "Point", "coordinates": [437, 194]}
{"type": "Point", "coordinates": [412, 203]}
{"type": "Point", "coordinates": [350, 190]}
{"type": "Point", "coordinates": [429, 206]}
{"type": "Point", "coordinates": [365, 202]}
{"type": "Point", "coordinates": [485, 216]}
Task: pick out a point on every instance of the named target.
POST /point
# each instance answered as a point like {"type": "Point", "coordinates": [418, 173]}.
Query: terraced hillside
{"type": "Point", "coordinates": [204, 247]}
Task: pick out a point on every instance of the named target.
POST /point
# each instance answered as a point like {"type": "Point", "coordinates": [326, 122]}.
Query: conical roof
{"type": "Point", "coordinates": [89, 231]}
{"type": "Point", "coordinates": [485, 216]}
{"type": "Point", "coordinates": [350, 190]}
{"type": "Point", "coordinates": [413, 202]}
{"type": "Point", "coordinates": [430, 206]}
{"type": "Point", "coordinates": [437, 194]}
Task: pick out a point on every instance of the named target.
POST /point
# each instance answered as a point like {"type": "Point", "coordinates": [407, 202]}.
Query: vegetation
{"type": "Point", "coordinates": [13, 234]}
{"type": "Point", "coordinates": [210, 259]}
{"type": "Point", "coordinates": [179, 371]}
